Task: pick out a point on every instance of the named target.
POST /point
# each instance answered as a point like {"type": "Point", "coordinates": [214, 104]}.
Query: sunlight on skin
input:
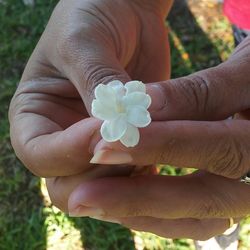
{"type": "Point", "coordinates": [61, 233]}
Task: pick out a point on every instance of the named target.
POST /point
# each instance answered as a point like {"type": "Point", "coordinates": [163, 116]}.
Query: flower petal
{"type": "Point", "coordinates": [118, 87]}
{"type": "Point", "coordinates": [138, 116]}
{"type": "Point", "coordinates": [137, 98]}
{"type": "Point", "coordinates": [106, 95]}
{"type": "Point", "coordinates": [115, 83]}
{"type": "Point", "coordinates": [113, 130]}
{"type": "Point", "coordinates": [131, 136]}
{"type": "Point", "coordinates": [135, 86]}
{"type": "Point", "coordinates": [103, 112]}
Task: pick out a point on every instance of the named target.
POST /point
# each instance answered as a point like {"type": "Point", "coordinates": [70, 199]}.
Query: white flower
{"type": "Point", "coordinates": [123, 108]}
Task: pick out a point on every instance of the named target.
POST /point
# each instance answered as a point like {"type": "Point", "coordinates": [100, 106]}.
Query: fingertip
{"type": "Point", "coordinates": [95, 139]}
{"type": "Point", "coordinates": [159, 100]}
{"type": "Point", "coordinates": [103, 145]}
{"type": "Point", "coordinates": [77, 197]}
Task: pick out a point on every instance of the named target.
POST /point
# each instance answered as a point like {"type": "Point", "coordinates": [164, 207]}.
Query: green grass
{"type": "Point", "coordinates": [27, 219]}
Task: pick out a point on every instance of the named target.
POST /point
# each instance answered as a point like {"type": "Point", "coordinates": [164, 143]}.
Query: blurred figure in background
{"type": "Point", "coordinates": [238, 12]}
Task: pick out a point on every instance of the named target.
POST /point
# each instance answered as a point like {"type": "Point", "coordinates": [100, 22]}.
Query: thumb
{"type": "Point", "coordinates": [94, 63]}
{"type": "Point", "coordinates": [54, 153]}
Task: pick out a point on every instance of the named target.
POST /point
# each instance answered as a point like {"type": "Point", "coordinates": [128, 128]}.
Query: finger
{"type": "Point", "coordinates": [100, 68]}
{"type": "Point", "coordinates": [195, 229]}
{"type": "Point", "coordinates": [48, 150]}
{"type": "Point", "coordinates": [178, 228]}
{"type": "Point", "coordinates": [48, 128]}
{"type": "Point", "coordinates": [219, 147]}
{"type": "Point", "coordinates": [193, 196]}
{"type": "Point", "coordinates": [60, 188]}
{"type": "Point", "coordinates": [211, 94]}
{"type": "Point", "coordinates": [95, 52]}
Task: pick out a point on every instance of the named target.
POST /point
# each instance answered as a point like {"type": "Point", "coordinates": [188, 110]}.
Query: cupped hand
{"type": "Point", "coordinates": [84, 44]}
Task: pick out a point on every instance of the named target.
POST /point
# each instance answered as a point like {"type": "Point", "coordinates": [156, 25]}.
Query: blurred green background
{"type": "Point", "coordinates": [200, 37]}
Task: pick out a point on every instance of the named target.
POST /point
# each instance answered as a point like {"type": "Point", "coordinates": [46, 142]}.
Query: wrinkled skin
{"type": "Point", "coordinates": [92, 42]}
{"type": "Point", "coordinates": [192, 131]}
{"type": "Point", "coordinates": [85, 43]}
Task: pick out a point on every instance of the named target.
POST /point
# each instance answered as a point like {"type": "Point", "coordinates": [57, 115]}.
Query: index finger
{"type": "Point", "coordinates": [49, 128]}
{"type": "Point", "coordinates": [211, 94]}
{"type": "Point", "coordinates": [218, 147]}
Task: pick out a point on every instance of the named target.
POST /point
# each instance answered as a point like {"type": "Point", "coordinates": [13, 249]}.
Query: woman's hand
{"type": "Point", "coordinates": [84, 44]}
{"type": "Point", "coordinates": [196, 206]}
{"type": "Point", "coordinates": [199, 135]}
{"type": "Point", "coordinates": [190, 127]}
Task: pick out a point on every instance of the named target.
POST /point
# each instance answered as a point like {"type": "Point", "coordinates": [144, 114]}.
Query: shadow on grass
{"type": "Point", "coordinates": [186, 34]}
{"type": "Point", "coordinates": [103, 235]}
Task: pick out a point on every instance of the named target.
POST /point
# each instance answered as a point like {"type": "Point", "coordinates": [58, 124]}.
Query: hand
{"type": "Point", "coordinates": [190, 129]}
{"type": "Point", "coordinates": [85, 43]}
{"type": "Point", "coordinates": [195, 206]}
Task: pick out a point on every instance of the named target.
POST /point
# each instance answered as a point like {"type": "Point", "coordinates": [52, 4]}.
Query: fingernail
{"type": "Point", "coordinates": [82, 211]}
{"type": "Point", "coordinates": [108, 219]}
{"type": "Point", "coordinates": [111, 157]}
{"type": "Point", "coordinates": [95, 138]}
{"type": "Point", "coordinates": [157, 96]}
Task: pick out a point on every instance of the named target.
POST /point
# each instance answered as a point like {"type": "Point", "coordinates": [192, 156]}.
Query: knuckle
{"type": "Point", "coordinates": [214, 203]}
{"type": "Point", "coordinates": [39, 171]}
{"type": "Point", "coordinates": [32, 159]}
{"type": "Point", "coordinates": [91, 68]}
{"type": "Point", "coordinates": [227, 158]}
{"type": "Point", "coordinates": [67, 45]}
{"type": "Point", "coordinates": [35, 168]}
{"type": "Point", "coordinates": [95, 73]}
{"type": "Point", "coordinates": [195, 91]}
{"type": "Point", "coordinates": [22, 142]}
{"type": "Point", "coordinates": [208, 208]}
{"type": "Point", "coordinates": [54, 194]}
{"type": "Point", "coordinates": [211, 202]}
